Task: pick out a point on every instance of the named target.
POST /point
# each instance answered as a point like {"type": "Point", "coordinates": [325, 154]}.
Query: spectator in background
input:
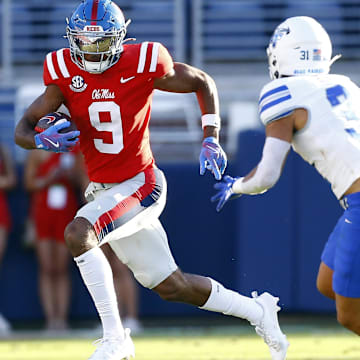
{"type": "Point", "coordinates": [52, 179]}
{"type": "Point", "coordinates": [126, 291]}
{"type": "Point", "coordinates": [7, 182]}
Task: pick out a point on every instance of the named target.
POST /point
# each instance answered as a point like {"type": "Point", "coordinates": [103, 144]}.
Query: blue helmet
{"type": "Point", "coordinates": [97, 28]}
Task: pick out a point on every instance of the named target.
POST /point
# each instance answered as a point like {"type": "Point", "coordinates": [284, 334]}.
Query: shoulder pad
{"type": "Point", "coordinates": [278, 98]}
{"type": "Point", "coordinates": [55, 66]}
{"type": "Point", "coordinates": [154, 59]}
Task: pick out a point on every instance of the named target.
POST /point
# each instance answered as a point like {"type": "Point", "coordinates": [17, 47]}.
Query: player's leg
{"type": "Point", "coordinates": [113, 211]}
{"type": "Point", "coordinates": [61, 284]}
{"type": "Point", "coordinates": [324, 281]}
{"type": "Point", "coordinates": [346, 277]}
{"type": "Point", "coordinates": [96, 274]}
{"type": "Point", "coordinates": [148, 255]}
{"type": "Point", "coordinates": [45, 253]}
{"type": "Point", "coordinates": [348, 312]}
{"type": "Point", "coordinates": [116, 268]}
{"type": "Point", "coordinates": [208, 294]}
{"type": "Point", "coordinates": [197, 290]}
{"type": "Point", "coordinates": [126, 291]}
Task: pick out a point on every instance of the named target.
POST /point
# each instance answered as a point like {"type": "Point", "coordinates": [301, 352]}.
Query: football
{"type": "Point", "coordinates": [51, 119]}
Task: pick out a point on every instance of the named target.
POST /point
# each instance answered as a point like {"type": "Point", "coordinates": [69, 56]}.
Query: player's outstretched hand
{"type": "Point", "coordinates": [52, 139]}
{"type": "Point", "coordinates": [212, 157]}
{"type": "Point", "coordinates": [225, 192]}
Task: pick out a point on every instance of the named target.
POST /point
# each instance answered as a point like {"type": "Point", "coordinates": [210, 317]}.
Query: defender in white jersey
{"type": "Point", "coordinates": [318, 115]}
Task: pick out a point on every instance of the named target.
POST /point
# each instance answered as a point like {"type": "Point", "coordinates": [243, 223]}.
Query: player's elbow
{"type": "Point", "coordinates": [21, 139]}
{"type": "Point", "coordinates": [17, 137]}
{"type": "Point", "coordinates": [204, 82]}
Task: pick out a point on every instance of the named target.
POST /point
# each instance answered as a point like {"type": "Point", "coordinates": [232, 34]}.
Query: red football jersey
{"type": "Point", "coordinates": [112, 110]}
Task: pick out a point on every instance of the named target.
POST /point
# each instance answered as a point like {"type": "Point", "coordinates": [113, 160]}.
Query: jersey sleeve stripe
{"type": "Point", "coordinates": [274, 97]}
{"type": "Point", "coordinates": [275, 102]}
{"type": "Point", "coordinates": [142, 57]}
{"type": "Point", "coordinates": [279, 116]}
{"type": "Point", "coordinates": [273, 91]}
{"type": "Point", "coordinates": [50, 66]}
{"type": "Point", "coordinates": [94, 12]}
{"type": "Point", "coordinates": [154, 57]}
{"type": "Point", "coordinates": [61, 62]}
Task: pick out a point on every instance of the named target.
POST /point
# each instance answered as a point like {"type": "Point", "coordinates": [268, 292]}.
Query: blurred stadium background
{"type": "Point", "coordinates": [272, 242]}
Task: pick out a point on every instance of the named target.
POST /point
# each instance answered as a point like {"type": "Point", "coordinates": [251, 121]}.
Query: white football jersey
{"type": "Point", "coordinates": [330, 139]}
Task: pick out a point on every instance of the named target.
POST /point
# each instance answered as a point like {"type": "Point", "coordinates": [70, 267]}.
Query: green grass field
{"type": "Point", "coordinates": [222, 343]}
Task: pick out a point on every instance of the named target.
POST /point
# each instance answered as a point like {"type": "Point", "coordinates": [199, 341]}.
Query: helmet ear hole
{"type": "Point", "coordinates": [276, 74]}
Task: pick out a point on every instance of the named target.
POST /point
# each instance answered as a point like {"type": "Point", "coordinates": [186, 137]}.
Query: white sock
{"type": "Point", "coordinates": [232, 303]}
{"type": "Point", "coordinates": [98, 278]}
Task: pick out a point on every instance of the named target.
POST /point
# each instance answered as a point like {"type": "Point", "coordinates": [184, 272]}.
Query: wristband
{"type": "Point", "coordinates": [237, 186]}
{"type": "Point", "coordinates": [212, 139]}
{"type": "Point", "coordinates": [210, 120]}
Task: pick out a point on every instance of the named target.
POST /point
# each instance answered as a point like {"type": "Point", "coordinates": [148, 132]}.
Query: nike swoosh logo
{"type": "Point", "coordinates": [123, 81]}
{"type": "Point", "coordinates": [52, 143]}
{"type": "Point", "coordinates": [348, 221]}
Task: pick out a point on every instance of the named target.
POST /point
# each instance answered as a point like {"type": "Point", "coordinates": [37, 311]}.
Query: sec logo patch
{"type": "Point", "coordinates": [78, 84]}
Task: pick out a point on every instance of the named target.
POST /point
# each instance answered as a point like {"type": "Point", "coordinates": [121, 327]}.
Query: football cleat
{"type": "Point", "coordinates": [114, 348]}
{"type": "Point", "coordinates": [268, 327]}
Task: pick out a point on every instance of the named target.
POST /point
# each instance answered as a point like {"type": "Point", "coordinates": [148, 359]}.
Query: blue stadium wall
{"type": "Point", "coordinates": [270, 242]}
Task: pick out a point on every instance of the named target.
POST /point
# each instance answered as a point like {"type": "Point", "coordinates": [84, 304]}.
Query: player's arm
{"type": "Point", "coordinates": [46, 103]}
{"type": "Point", "coordinates": [279, 134]}
{"type": "Point", "coordinates": [276, 148]}
{"type": "Point", "coordinates": [183, 78]}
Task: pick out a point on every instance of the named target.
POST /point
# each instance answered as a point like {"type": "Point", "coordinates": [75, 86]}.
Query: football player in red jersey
{"type": "Point", "coordinates": [107, 86]}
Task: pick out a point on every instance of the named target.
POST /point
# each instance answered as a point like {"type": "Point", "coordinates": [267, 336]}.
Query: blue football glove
{"type": "Point", "coordinates": [52, 140]}
{"type": "Point", "coordinates": [212, 157]}
{"type": "Point", "coordinates": [225, 192]}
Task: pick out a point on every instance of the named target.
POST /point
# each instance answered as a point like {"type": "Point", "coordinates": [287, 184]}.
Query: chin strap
{"type": "Point", "coordinates": [336, 57]}
{"type": "Point", "coordinates": [128, 39]}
